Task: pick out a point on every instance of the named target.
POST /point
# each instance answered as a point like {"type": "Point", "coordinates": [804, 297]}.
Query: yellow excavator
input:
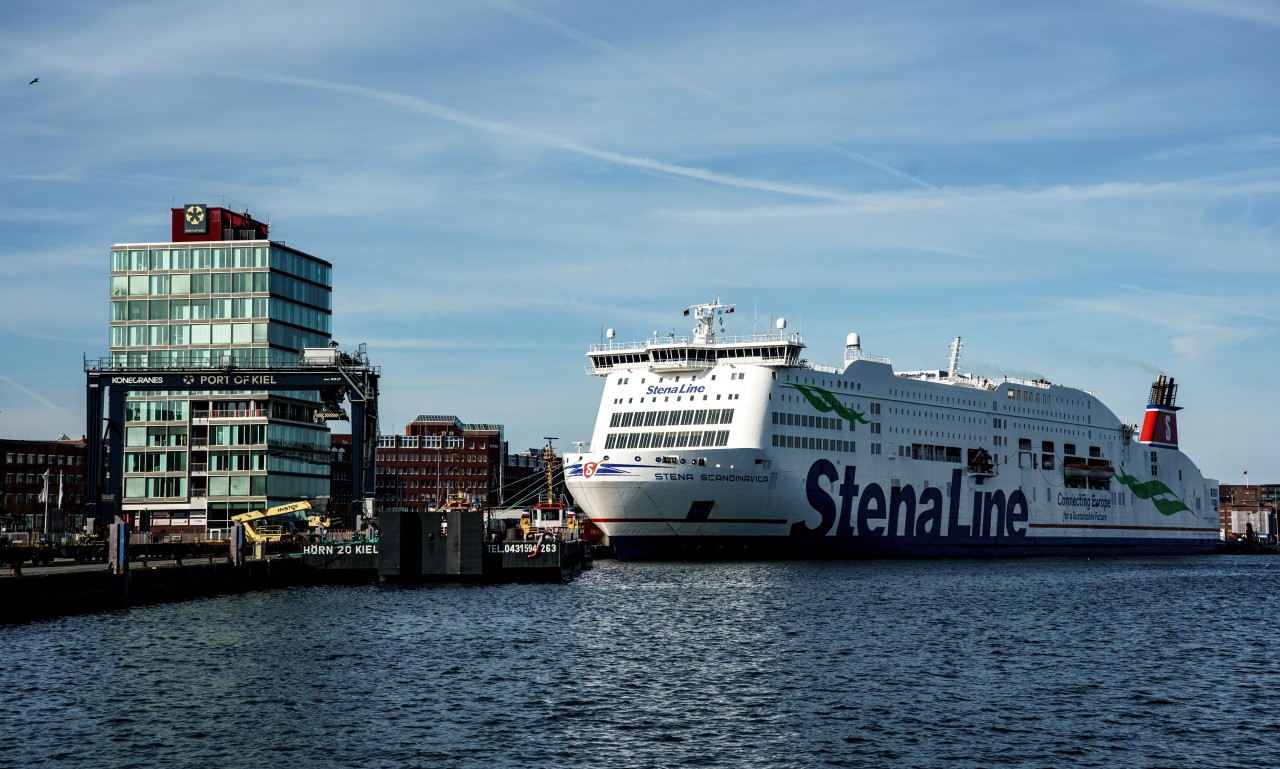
{"type": "Point", "coordinates": [256, 528]}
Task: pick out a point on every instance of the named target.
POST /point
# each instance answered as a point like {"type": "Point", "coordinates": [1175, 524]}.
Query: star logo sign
{"type": "Point", "coordinates": [195, 214]}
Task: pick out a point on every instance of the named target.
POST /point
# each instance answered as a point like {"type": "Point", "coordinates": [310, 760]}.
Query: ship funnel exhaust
{"type": "Point", "coordinates": [1160, 427]}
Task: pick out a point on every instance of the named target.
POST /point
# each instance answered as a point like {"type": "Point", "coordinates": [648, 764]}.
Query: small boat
{"type": "Point", "coordinates": [546, 540]}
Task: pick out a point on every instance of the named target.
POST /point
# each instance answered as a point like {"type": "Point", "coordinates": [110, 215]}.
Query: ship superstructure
{"type": "Point", "coordinates": [736, 446]}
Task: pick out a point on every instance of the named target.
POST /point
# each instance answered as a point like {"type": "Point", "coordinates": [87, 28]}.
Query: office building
{"type": "Point", "coordinates": [220, 293]}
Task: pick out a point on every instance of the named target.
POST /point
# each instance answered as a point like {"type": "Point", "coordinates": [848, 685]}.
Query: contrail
{"type": "Point", "coordinates": [35, 396]}
{"type": "Point", "coordinates": [610, 50]}
{"type": "Point", "coordinates": [560, 142]}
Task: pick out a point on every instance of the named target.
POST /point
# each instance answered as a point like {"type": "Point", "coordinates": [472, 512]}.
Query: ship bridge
{"type": "Point", "coordinates": [681, 354]}
{"type": "Point", "coordinates": [704, 349]}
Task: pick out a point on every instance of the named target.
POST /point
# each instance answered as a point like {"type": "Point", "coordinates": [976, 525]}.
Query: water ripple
{"type": "Point", "coordinates": [1020, 663]}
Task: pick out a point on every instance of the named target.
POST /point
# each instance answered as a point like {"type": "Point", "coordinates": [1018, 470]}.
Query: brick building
{"type": "Point", "coordinates": [23, 465]}
{"type": "Point", "coordinates": [439, 457]}
{"type": "Point", "coordinates": [1255, 506]}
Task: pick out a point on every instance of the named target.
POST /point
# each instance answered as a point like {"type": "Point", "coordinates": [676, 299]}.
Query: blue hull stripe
{"type": "Point", "coordinates": [710, 548]}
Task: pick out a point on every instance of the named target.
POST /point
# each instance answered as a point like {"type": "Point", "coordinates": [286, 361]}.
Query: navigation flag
{"type": "Point", "coordinates": [686, 313]}
{"type": "Point", "coordinates": [44, 493]}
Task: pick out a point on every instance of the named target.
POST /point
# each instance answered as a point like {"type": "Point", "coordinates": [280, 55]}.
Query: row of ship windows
{"type": "Point", "coordinates": [840, 384]}
{"type": "Point", "coordinates": [677, 417]}
{"type": "Point", "coordinates": [734, 376]}
{"type": "Point", "coordinates": [667, 440]}
{"type": "Point", "coordinates": [810, 420]}
{"type": "Point", "coordinates": [814, 444]}
{"type": "Point", "coordinates": [918, 451]}
{"type": "Point", "coordinates": [937, 398]}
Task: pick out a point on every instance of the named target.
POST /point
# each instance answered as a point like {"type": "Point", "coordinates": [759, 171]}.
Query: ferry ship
{"type": "Point", "coordinates": [716, 446]}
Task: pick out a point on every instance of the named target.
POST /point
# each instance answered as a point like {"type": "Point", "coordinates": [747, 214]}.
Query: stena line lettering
{"type": "Point", "coordinates": [675, 389]}
{"type": "Point", "coordinates": [866, 511]}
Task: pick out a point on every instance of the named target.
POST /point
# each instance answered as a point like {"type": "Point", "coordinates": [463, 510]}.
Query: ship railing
{"type": "Point", "coordinates": [679, 341]}
{"type": "Point", "coordinates": [825, 369]}
{"type": "Point", "coordinates": [1043, 384]}
{"type": "Point", "coordinates": [602, 367]}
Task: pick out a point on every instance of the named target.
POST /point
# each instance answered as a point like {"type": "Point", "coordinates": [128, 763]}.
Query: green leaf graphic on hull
{"type": "Point", "coordinates": [825, 401]}
{"type": "Point", "coordinates": [1160, 495]}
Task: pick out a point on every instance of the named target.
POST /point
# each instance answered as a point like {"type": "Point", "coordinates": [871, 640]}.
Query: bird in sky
{"type": "Point", "coordinates": [34, 80]}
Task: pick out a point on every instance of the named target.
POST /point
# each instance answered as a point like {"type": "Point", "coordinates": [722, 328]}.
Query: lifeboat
{"type": "Point", "coordinates": [1101, 471]}
{"type": "Point", "coordinates": [981, 464]}
{"type": "Point", "coordinates": [1075, 469]}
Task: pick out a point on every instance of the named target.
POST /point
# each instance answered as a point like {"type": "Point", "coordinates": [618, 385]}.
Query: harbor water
{"type": "Point", "coordinates": [1121, 662]}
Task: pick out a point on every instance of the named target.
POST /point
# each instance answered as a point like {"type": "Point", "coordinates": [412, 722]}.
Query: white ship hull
{"type": "Point", "coordinates": [793, 460]}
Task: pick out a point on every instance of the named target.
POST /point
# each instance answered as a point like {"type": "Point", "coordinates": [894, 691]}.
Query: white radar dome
{"type": "Point", "coordinates": [852, 340]}
{"type": "Point", "coordinates": [782, 323]}
{"type": "Point", "coordinates": [609, 333]}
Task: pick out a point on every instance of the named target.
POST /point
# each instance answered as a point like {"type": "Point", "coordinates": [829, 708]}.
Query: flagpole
{"type": "Point", "coordinates": [46, 501]}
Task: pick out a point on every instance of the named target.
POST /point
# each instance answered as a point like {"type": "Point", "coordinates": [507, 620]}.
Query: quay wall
{"type": "Point", "coordinates": [60, 592]}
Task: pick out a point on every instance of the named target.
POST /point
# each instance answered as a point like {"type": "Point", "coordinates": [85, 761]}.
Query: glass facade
{"type": "Point", "coordinates": [192, 460]}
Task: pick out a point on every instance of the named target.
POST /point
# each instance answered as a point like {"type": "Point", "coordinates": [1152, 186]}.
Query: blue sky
{"type": "Point", "coordinates": [1085, 191]}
